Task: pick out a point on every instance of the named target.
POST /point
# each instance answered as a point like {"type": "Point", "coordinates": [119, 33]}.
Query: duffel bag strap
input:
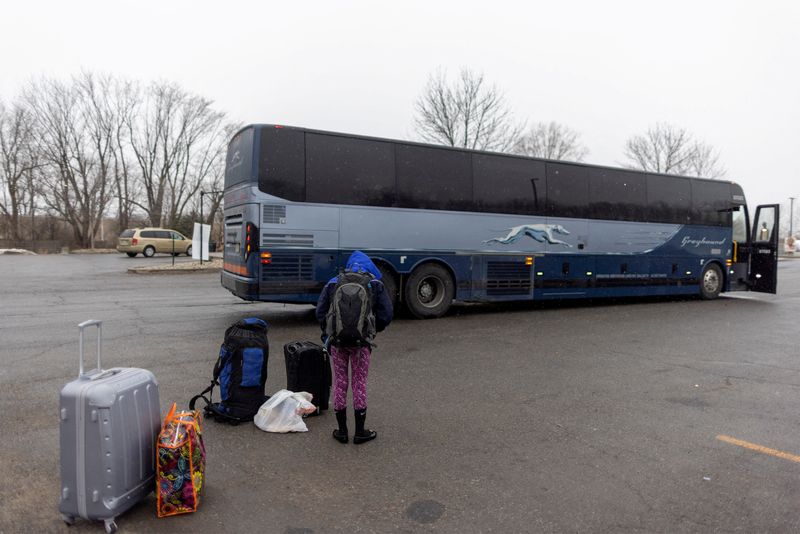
{"type": "Point", "coordinates": [202, 395]}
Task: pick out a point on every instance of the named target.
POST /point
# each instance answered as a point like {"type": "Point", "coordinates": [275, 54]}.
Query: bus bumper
{"type": "Point", "coordinates": [244, 288]}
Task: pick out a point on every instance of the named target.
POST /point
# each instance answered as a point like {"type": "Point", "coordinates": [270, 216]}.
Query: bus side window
{"type": "Point", "coordinates": [505, 184]}
{"type": "Point", "coordinates": [344, 170]}
{"type": "Point", "coordinates": [281, 170]}
{"type": "Point", "coordinates": [567, 190]}
{"type": "Point", "coordinates": [668, 199]}
{"type": "Point", "coordinates": [433, 178]}
{"type": "Point", "coordinates": [617, 195]}
{"type": "Point", "coordinates": [710, 203]}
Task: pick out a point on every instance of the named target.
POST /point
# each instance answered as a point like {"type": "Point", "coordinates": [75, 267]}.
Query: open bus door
{"type": "Point", "coordinates": [763, 273]}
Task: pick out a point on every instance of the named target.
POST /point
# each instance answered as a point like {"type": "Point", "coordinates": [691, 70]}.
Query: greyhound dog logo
{"type": "Point", "coordinates": [539, 232]}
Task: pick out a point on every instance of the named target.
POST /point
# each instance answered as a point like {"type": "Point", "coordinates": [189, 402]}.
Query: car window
{"type": "Point", "coordinates": [177, 236]}
{"type": "Point", "coordinates": [163, 234]}
{"type": "Point", "coordinates": [148, 233]}
{"type": "Point", "coordinates": [127, 233]}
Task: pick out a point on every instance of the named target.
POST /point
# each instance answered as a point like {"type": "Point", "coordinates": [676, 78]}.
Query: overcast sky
{"type": "Point", "coordinates": [726, 71]}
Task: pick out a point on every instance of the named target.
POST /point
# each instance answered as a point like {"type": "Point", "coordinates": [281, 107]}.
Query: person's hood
{"type": "Point", "coordinates": [360, 262]}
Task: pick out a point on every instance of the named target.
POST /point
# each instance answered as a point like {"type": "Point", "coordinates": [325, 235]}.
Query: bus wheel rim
{"type": "Point", "coordinates": [711, 281]}
{"type": "Point", "coordinates": [430, 292]}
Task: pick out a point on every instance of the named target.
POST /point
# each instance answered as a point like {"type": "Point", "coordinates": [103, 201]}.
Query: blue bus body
{"type": "Point", "coordinates": [296, 246]}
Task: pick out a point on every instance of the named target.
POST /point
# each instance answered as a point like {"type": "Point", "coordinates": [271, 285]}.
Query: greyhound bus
{"type": "Point", "coordinates": [445, 224]}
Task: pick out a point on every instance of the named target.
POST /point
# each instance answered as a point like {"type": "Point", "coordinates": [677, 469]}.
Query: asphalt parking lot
{"type": "Point", "coordinates": [655, 415]}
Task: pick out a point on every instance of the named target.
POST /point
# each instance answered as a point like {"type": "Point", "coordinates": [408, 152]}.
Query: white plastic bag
{"type": "Point", "coordinates": [284, 411]}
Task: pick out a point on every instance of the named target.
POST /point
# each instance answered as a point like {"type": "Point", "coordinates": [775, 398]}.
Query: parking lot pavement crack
{"type": "Point", "coordinates": [753, 379]}
{"type": "Point", "coordinates": [728, 376]}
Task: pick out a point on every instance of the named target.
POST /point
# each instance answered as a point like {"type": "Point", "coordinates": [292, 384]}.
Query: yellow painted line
{"type": "Point", "coordinates": [758, 448]}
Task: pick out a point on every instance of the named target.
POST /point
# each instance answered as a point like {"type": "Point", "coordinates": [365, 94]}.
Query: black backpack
{"type": "Point", "coordinates": [240, 372]}
{"type": "Point", "coordinates": [350, 321]}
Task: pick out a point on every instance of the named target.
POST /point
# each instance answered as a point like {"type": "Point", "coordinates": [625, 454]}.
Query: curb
{"type": "Point", "coordinates": [160, 269]}
{"type": "Point", "coordinates": [173, 271]}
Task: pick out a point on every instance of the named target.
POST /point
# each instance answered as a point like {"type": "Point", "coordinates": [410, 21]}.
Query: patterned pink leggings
{"type": "Point", "coordinates": [358, 358]}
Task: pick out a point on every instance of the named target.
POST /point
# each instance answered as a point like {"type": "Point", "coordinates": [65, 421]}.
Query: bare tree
{"type": "Point", "coordinates": [121, 98]}
{"type": "Point", "coordinates": [176, 140]}
{"type": "Point", "coordinates": [73, 142]}
{"type": "Point", "coordinates": [551, 140]}
{"type": "Point", "coordinates": [213, 181]}
{"type": "Point", "coordinates": [17, 163]}
{"type": "Point", "coordinates": [668, 149]}
{"type": "Point", "coordinates": [705, 162]}
{"type": "Point", "coordinates": [465, 113]}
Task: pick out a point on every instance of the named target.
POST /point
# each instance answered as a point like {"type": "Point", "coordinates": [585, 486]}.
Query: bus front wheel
{"type": "Point", "coordinates": [429, 291]}
{"type": "Point", "coordinates": [711, 282]}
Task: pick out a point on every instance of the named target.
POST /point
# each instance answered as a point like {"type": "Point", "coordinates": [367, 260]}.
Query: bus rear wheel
{"type": "Point", "coordinates": [711, 282]}
{"type": "Point", "coordinates": [429, 291]}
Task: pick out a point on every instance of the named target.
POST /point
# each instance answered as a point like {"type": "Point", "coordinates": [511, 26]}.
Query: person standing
{"type": "Point", "coordinates": [351, 309]}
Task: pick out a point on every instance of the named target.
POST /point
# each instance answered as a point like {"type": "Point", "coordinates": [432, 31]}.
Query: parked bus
{"type": "Point", "coordinates": [446, 224]}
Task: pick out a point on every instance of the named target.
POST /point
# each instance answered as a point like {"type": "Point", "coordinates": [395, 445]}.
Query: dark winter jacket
{"type": "Point", "coordinates": [381, 303]}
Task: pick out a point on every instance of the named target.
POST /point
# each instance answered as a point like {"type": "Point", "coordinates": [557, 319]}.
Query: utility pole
{"type": "Point", "coordinates": [789, 244]}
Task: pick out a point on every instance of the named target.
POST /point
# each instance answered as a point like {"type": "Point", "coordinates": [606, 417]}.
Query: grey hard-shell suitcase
{"type": "Point", "coordinates": [110, 421]}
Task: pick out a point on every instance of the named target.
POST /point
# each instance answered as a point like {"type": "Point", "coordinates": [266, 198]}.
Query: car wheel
{"type": "Point", "coordinates": [131, 254]}
{"type": "Point", "coordinates": [149, 251]}
{"type": "Point", "coordinates": [429, 291]}
{"type": "Point", "coordinates": [189, 250]}
{"type": "Point", "coordinates": [711, 282]}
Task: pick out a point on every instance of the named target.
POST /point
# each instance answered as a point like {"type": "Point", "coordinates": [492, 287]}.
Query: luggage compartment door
{"type": "Point", "coordinates": [763, 275]}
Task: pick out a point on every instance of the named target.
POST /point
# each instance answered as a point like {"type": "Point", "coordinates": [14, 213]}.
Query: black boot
{"type": "Point", "coordinates": [340, 434]}
{"type": "Point", "coordinates": [361, 435]}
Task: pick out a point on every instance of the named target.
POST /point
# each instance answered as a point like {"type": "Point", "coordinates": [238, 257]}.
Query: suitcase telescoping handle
{"type": "Point", "coordinates": [81, 328]}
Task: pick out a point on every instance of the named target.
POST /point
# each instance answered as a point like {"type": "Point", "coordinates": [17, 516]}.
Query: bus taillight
{"type": "Point", "coordinates": [250, 240]}
{"type": "Point", "coordinates": [266, 258]}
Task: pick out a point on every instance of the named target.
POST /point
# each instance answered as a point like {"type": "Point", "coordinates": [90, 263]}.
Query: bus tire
{"type": "Point", "coordinates": [429, 291]}
{"type": "Point", "coordinates": [390, 283]}
{"type": "Point", "coordinates": [711, 282]}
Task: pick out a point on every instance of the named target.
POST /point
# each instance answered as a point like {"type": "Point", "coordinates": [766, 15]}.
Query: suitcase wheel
{"type": "Point", "coordinates": [68, 519]}
{"type": "Point", "coordinates": [111, 526]}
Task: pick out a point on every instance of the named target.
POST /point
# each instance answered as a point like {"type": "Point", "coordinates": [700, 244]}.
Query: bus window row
{"type": "Point", "coordinates": [313, 167]}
